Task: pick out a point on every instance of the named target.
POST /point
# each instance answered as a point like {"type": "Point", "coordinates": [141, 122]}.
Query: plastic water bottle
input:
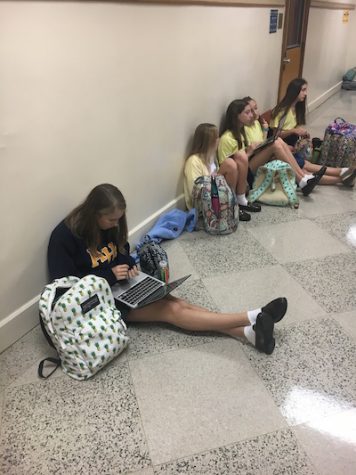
{"type": "Point", "coordinates": [164, 271]}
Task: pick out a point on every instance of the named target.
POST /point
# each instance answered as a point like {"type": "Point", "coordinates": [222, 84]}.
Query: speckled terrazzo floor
{"type": "Point", "coordinates": [187, 403]}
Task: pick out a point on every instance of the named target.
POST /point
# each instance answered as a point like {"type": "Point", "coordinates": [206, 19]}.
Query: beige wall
{"type": "Point", "coordinates": [351, 50]}
{"type": "Point", "coordinates": [325, 54]}
{"type": "Point", "coordinates": [95, 92]}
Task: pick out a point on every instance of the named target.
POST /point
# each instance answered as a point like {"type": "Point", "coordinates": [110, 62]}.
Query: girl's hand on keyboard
{"type": "Point", "coordinates": [133, 272]}
{"type": "Point", "coordinates": [121, 272]}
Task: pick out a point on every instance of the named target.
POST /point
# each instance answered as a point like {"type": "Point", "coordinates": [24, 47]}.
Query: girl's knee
{"type": "Point", "coordinates": [176, 307]}
{"type": "Point", "coordinates": [229, 170]}
{"type": "Point", "coordinates": [229, 165]}
{"type": "Point", "coordinates": [278, 145]}
{"type": "Point", "coordinates": [241, 157]}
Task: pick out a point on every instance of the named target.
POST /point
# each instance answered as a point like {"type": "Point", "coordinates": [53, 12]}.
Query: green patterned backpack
{"type": "Point", "coordinates": [275, 185]}
{"type": "Point", "coordinates": [83, 324]}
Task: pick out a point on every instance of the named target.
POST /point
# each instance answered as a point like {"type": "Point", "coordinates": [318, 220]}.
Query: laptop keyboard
{"type": "Point", "coordinates": [140, 291]}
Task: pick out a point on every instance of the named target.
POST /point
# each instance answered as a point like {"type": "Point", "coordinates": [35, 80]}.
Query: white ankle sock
{"type": "Point", "coordinates": [252, 315]}
{"type": "Point", "coordinates": [304, 180]}
{"type": "Point", "coordinates": [343, 170]}
{"type": "Point", "coordinates": [241, 199]}
{"type": "Point", "coordinates": [250, 334]}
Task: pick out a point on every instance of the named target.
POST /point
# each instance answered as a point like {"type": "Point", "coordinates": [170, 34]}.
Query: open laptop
{"type": "Point", "coordinates": [143, 289]}
{"type": "Point", "coordinates": [268, 141]}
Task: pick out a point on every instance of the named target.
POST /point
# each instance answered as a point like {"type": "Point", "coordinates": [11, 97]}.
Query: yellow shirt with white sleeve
{"type": "Point", "coordinates": [290, 121]}
{"type": "Point", "coordinates": [194, 167]}
{"type": "Point", "coordinates": [228, 146]}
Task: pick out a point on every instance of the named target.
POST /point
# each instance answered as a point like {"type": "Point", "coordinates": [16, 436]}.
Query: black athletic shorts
{"type": "Point", "coordinates": [124, 309]}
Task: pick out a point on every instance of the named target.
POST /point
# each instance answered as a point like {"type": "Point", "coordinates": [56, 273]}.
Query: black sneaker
{"type": "Point", "coordinates": [263, 327]}
{"type": "Point", "coordinates": [320, 173]}
{"type": "Point", "coordinates": [251, 207]}
{"type": "Point", "coordinates": [310, 185]}
{"type": "Point", "coordinates": [243, 216]}
{"type": "Point", "coordinates": [277, 308]}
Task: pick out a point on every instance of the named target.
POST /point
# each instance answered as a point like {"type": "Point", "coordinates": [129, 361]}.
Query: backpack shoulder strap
{"type": "Point", "coordinates": [287, 179]}
{"type": "Point", "coordinates": [48, 296]}
{"type": "Point", "coordinates": [55, 361]}
{"type": "Point", "coordinates": [266, 183]}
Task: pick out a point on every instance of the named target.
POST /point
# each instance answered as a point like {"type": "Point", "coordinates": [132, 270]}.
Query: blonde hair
{"type": "Point", "coordinates": [204, 139]}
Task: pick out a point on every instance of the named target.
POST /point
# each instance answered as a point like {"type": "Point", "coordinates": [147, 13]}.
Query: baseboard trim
{"type": "Point", "coordinates": [25, 318]}
{"type": "Point", "coordinates": [324, 97]}
{"type": "Point", "coordinates": [18, 323]}
{"type": "Point", "coordinates": [142, 228]}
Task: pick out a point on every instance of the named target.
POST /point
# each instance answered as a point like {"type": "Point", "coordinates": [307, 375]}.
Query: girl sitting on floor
{"type": "Point", "coordinates": [291, 110]}
{"type": "Point", "coordinates": [202, 162]}
{"type": "Point", "coordinates": [234, 145]}
{"type": "Point", "coordinates": [92, 239]}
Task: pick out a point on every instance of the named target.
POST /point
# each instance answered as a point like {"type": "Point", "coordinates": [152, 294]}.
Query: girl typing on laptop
{"type": "Point", "coordinates": [92, 239]}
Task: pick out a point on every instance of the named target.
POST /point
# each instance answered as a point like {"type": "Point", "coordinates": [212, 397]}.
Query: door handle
{"type": "Point", "coordinates": [286, 60]}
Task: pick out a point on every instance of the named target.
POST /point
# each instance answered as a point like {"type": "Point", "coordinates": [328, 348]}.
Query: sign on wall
{"type": "Point", "coordinates": [273, 21]}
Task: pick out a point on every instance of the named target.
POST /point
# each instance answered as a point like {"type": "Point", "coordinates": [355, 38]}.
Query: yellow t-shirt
{"type": "Point", "coordinates": [289, 123]}
{"type": "Point", "coordinates": [194, 167]}
{"type": "Point", "coordinates": [254, 133]}
{"type": "Point", "coordinates": [228, 146]}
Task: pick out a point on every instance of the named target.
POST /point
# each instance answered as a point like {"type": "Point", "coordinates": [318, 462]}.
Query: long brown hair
{"type": "Point", "coordinates": [82, 221]}
{"type": "Point", "coordinates": [232, 122]}
{"type": "Point", "coordinates": [204, 138]}
{"type": "Point", "coordinates": [293, 90]}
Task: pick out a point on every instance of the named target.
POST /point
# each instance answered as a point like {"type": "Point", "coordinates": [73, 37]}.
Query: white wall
{"type": "Point", "coordinates": [95, 92]}
{"type": "Point", "coordinates": [351, 49]}
{"type": "Point", "coordinates": [325, 59]}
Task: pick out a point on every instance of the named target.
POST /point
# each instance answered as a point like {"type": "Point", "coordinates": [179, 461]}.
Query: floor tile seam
{"type": "Point", "coordinates": [263, 223]}
{"type": "Point", "coordinates": [38, 380]}
{"type": "Point", "coordinates": [246, 269]}
{"type": "Point", "coordinates": [312, 221]}
{"type": "Point", "coordinates": [346, 330]}
{"type": "Point", "coordinates": [320, 258]}
{"type": "Point", "coordinates": [327, 316]}
{"type": "Point", "coordinates": [2, 407]}
{"type": "Point", "coordinates": [254, 369]}
{"type": "Point", "coordinates": [175, 350]}
{"type": "Point", "coordinates": [140, 415]}
{"type": "Point", "coordinates": [301, 446]}
{"type": "Point", "coordinates": [306, 289]}
{"type": "Point", "coordinates": [226, 446]}
{"type": "Point", "coordinates": [235, 273]}
{"type": "Point", "coordinates": [334, 236]}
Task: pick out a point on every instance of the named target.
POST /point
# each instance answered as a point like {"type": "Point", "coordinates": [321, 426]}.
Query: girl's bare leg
{"type": "Point", "coordinates": [330, 171]}
{"type": "Point", "coordinates": [241, 160]}
{"type": "Point", "coordinates": [229, 170]}
{"type": "Point", "coordinates": [278, 150]}
{"type": "Point", "coordinates": [191, 317]}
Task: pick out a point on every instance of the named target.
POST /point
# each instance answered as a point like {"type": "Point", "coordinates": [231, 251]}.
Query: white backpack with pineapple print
{"type": "Point", "coordinates": [83, 324]}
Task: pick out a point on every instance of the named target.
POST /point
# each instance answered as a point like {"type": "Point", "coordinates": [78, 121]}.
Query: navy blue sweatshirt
{"type": "Point", "coordinates": [68, 255]}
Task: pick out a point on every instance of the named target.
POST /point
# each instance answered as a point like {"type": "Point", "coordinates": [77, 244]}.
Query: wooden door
{"type": "Point", "coordinates": [293, 47]}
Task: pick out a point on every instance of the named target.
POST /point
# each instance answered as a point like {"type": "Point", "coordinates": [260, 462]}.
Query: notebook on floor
{"type": "Point", "coordinates": [143, 290]}
{"type": "Point", "coordinates": [268, 141]}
